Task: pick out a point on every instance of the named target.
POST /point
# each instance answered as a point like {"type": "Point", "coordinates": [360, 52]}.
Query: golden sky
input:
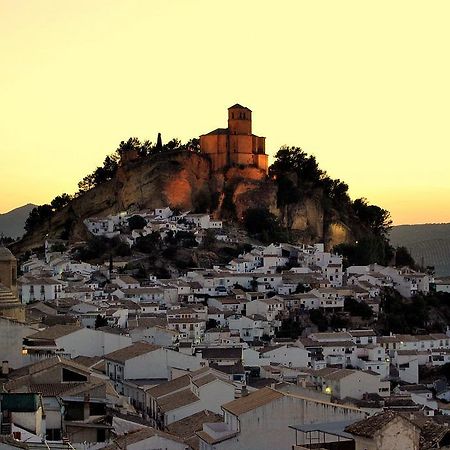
{"type": "Point", "coordinates": [364, 86]}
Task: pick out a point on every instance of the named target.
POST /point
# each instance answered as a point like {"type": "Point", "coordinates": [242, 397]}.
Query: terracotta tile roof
{"type": "Point", "coordinates": [270, 348]}
{"type": "Point", "coordinates": [138, 436]}
{"type": "Point", "coordinates": [218, 131]}
{"type": "Point", "coordinates": [322, 372]}
{"type": "Point", "coordinates": [128, 279]}
{"type": "Point", "coordinates": [431, 432]}
{"type": "Point", "coordinates": [142, 290]}
{"type": "Point", "coordinates": [55, 332]}
{"type": "Point", "coordinates": [238, 106]}
{"type": "Point", "coordinates": [146, 322]}
{"type": "Point", "coordinates": [210, 440]}
{"type": "Point", "coordinates": [229, 369]}
{"type": "Point", "coordinates": [222, 353]}
{"type": "Point", "coordinates": [46, 364]}
{"type": "Point", "coordinates": [362, 333]}
{"type": "Point", "coordinates": [52, 389]}
{"type": "Point", "coordinates": [333, 336]}
{"type": "Point", "coordinates": [65, 389]}
{"type": "Point", "coordinates": [339, 374]}
{"type": "Point", "coordinates": [177, 400]}
{"type": "Point", "coordinates": [134, 350]}
{"type": "Point", "coordinates": [252, 401]}
{"type": "Point", "coordinates": [170, 386]}
{"type": "Point", "coordinates": [186, 320]}
{"type": "Point", "coordinates": [186, 428]}
{"type": "Point", "coordinates": [209, 378]}
{"type": "Point", "coordinates": [369, 426]}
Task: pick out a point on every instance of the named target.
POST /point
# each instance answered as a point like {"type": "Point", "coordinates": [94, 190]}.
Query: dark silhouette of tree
{"type": "Point", "coordinates": [149, 243]}
{"type": "Point", "coordinates": [86, 183]}
{"type": "Point", "coordinates": [297, 174]}
{"type": "Point", "coordinates": [319, 319]}
{"type": "Point", "coordinates": [159, 145]}
{"type": "Point", "coordinates": [212, 323]}
{"type": "Point", "coordinates": [358, 308]}
{"type": "Point", "coordinates": [38, 216]}
{"type": "Point", "coordinates": [404, 258]}
{"type": "Point", "coordinates": [294, 159]}
{"type": "Point", "coordinates": [369, 249]}
{"type": "Point", "coordinates": [136, 222]}
{"type": "Point", "coordinates": [378, 219]}
{"type": "Point", "coordinates": [209, 239]}
{"type": "Point", "coordinates": [60, 201]}
{"type": "Point", "coordinates": [258, 220]}
{"type": "Point", "coordinates": [100, 321]}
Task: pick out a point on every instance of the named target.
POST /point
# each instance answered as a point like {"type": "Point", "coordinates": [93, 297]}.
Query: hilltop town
{"type": "Point", "coordinates": [166, 327]}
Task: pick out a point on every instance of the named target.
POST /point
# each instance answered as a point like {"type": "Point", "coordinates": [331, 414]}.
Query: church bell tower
{"type": "Point", "coordinates": [239, 120]}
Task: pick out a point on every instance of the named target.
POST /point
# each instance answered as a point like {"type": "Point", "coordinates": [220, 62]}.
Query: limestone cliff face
{"type": "Point", "coordinates": [185, 180]}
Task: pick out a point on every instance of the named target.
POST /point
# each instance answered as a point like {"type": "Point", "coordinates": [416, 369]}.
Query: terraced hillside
{"type": "Point", "coordinates": [430, 242]}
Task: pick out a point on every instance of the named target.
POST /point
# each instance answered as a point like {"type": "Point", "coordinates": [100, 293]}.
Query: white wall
{"type": "Point", "coordinates": [157, 364]}
{"type": "Point", "coordinates": [89, 342]}
{"type": "Point", "coordinates": [11, 339]}
{"type": "Point", "coordinates": [214, 395]}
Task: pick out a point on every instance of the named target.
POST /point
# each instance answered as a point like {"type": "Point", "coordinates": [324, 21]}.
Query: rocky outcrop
{"type": "Point", "coordinates": [184, 180]}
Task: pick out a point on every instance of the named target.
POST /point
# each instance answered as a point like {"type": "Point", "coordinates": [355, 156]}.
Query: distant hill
{"type": "Point", "coordinates": [428, 241]}
{"type": "Point", "coordinates": [12, 223]}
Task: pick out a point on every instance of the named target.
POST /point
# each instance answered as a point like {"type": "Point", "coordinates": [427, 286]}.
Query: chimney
{"type": "Point", "coordinates": [86, 409]}
{"type": "Point", "coordinates": [5, 368]}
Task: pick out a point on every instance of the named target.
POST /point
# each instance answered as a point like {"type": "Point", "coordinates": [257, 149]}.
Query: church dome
{"type": "Point", "coordinates": [6, 255]}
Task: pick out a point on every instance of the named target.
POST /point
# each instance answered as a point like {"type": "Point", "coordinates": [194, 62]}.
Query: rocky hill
{"type": "Point", "coordinates": [12, 223]}
{"type": "Point", "coordinates": [184, 180]}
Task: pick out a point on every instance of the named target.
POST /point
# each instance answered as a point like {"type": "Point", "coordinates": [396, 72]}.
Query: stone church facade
{"type": "Point", "coordinates": [235, 145]}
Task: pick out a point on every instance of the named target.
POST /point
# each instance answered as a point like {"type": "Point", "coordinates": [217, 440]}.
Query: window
{"type": "Point", "coordinates": [53, 434]}
{"type": "Point", "coordinates": [101, 435]}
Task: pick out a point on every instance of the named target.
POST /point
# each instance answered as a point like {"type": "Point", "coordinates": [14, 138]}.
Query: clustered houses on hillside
{"type": "Point", "coordinates": [160, 220]}
{"type": "Point", "coordinates": [106, 360]}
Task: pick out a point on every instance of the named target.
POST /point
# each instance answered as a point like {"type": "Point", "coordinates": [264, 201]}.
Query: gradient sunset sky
{"type": "Point", "coordinates": [364, 86]}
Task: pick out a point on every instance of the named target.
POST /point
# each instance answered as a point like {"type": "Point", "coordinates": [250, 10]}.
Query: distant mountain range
{"type": "Point", "coordinates": [427, 243]}
{"type": "Point", "coordinates": [12, 223]}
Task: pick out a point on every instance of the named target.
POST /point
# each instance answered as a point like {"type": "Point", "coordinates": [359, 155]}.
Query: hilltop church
{"type": "Point", "coordinates": [235, 145]}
